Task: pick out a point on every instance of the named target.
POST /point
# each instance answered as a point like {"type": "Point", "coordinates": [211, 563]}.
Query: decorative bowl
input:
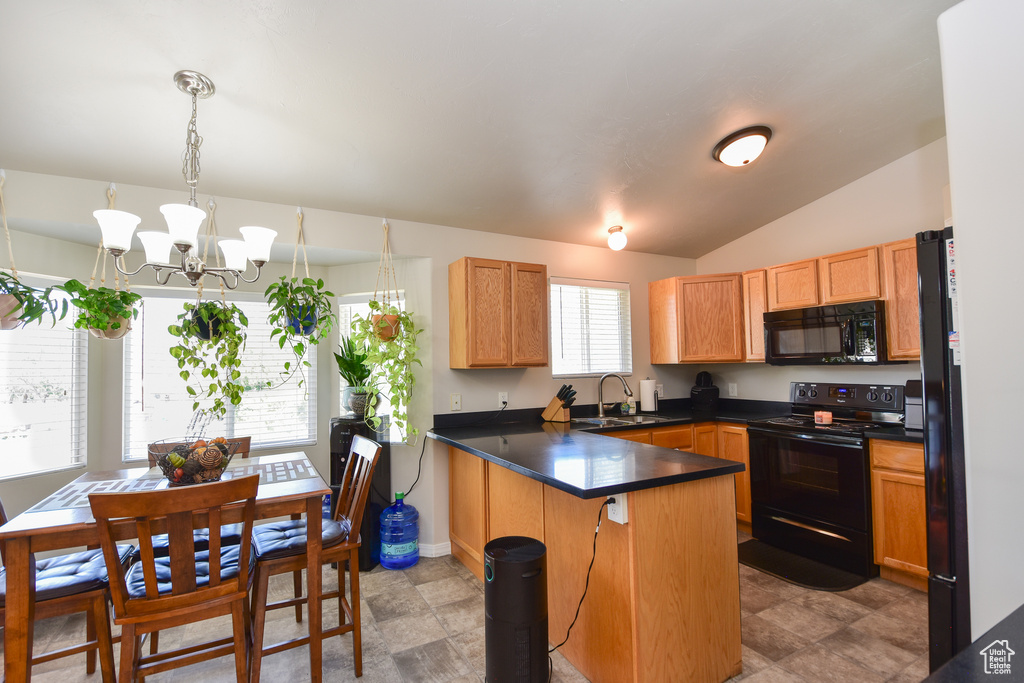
{"type": "Point", "coordinates": [192, 461]}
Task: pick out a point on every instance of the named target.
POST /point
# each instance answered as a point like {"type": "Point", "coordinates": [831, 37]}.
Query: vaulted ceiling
{"type": "Point", "coordinates": [549, 119]}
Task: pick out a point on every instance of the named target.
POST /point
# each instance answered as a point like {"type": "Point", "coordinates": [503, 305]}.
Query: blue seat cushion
{"type": "Point", "coordinates": [230, 534]}
{"type": "Point", "coordinates": [136, 580]}
{"type": "Point", "coordinates": [57, 577]}
{"type": "Point", "coordinates": [288, 537]}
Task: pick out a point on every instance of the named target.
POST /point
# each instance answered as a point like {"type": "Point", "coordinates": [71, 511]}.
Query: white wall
{"type": "Point", "coordinates": [982, 63]}
{"type": "Point", "coordinates": [895, 202]}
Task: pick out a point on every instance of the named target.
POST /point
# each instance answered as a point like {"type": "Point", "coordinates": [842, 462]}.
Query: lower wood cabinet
{"type": "Point", "coordinates": [733, 445]}
{"type": "Point", "coordinates": [899, 515]}
{"type": "Point", "coordinates": [705, 439]}
{"type": "Point", "coordinates": [467, 506]}
{"type": "Point", "coordinates": [678, 437]}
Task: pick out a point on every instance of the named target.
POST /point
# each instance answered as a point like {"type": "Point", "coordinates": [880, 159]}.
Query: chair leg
{"type": "Point", "coordinates": [100, 618]}
{"type": "Point", "coordinates": [357, 643]}
{"type": "Point", "coordinates": [154, 642]}
{"type": "Point", "coordinates": [297, 586]}
{"type": "Point", "coordinates": [259, 615]}
{"type": "Point", "coordinates": [90, 636]}
{"type": "Point", "coordinates": [129, 654]}
{"type": "Point", "coordinates": [240, 629]}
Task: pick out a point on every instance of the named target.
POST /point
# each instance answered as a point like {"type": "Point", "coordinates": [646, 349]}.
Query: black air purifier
{"type": "Point", "coordinates": [516, 607]}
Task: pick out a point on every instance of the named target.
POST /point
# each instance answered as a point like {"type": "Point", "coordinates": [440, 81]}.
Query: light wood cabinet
{"type": "Point", "coordinates": [638, 435]}
{"type": "Point", "coordinates": [696, 319]}
{"type": "Point", "coordinates": [733, 445]}
{"type": "Point", "coordinates": [678, 437]}
{"type": "Point", "coordinates": [467, 508]}
{"type": "Point", "coordinates": [898, 511]}
{"type": "Point", "coordinates": [755, 303]}
{"type": "Point", "coordinates": [849, 276]}
{"type": "Point", "coordinates": [792, 285]}
{"type": "Point", "coordinates": [497, 314]}
{"type": "Point", "coordinates": [902, 308]}
{"type": "Point", "coordinates": [515, 504]}
{"type": "Point", "coordinates": [705, 439]}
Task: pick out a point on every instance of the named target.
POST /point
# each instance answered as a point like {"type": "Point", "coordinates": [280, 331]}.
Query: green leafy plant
{"type": "Point", "coordinates": [106, 312]}
{"type": "Point", "coordinates": [352, 368]}
{"type": "Point", "coordinates": [390, 360]}
{"type": "Point", "coordinates": [27, 304]}
{"type": "Point", "coordinates": [300, 313]}
{"type": "Point", "coordinates": [210, 367]}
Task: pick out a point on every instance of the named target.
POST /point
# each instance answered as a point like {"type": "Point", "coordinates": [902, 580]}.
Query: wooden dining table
{"type": "Point", "coordinates": [289, 484]}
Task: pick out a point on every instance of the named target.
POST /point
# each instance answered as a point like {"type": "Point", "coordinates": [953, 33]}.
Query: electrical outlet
{"type": "Point", "coordinates": [617, 510]}
{"type": "Point", "coordinates": [660, 389]}
{"type": "Point", "coordinates": [456, 400]}
{"type": "Point", "coordinates": [502, 398]}
{"type": "Point", "coordinates": [732, 389]}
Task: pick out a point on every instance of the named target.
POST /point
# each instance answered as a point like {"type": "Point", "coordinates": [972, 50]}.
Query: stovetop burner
{"type": "Point", "coordinates": [808, 424]}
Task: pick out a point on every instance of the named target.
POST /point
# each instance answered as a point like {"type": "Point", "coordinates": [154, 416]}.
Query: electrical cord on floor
{"type": "Point", "coordinates": [586, 585]}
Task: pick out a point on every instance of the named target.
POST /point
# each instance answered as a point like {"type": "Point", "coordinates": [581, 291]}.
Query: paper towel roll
{"type": "Point", "coordinates": [648, 399]}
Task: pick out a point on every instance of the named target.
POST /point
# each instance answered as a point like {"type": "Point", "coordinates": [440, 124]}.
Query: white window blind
{"type": "Point", "coordinates": [590, 328]}
{"type": "Point", "coordinates": [156, 405]}
{"type": "Point", "coordinates": [42, 397]}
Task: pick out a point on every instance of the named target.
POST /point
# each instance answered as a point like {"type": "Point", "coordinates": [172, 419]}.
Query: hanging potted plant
{"type": "Point", "coordinates": [388, 338]}
{"type": "Point", "coordinates": [210, 366]}
{"type": "Point", "coordinates": [352, 368]}
{"type": "Point", "coordinates": [301, 315]}
{"type": "Point", "coordinates": [106, 313]}
{"type": "Point", "coordinates": [21, 304]}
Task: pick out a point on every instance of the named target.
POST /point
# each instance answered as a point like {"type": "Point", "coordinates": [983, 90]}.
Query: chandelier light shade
{"type": "Point", "coordinates": [184, 220]}
{"type": "Point", "coordinates": [616, 238]}
{"type": "Point", "coordinates": [743, 146]}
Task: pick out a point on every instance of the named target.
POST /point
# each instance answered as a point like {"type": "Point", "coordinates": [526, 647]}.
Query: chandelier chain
{"type": "Point", "coordinates": [190, 158]}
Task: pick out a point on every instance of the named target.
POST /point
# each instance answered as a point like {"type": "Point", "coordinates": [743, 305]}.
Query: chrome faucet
{"type": "Point", "coordinates": [600, 391]}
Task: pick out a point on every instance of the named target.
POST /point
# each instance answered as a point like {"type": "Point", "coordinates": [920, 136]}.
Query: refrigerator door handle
{"type": "Point", "coordinates": [950, 580]}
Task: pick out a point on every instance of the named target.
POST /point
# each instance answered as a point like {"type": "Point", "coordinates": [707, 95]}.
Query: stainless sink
{"type": "Point", "coordinates": [618, 420]}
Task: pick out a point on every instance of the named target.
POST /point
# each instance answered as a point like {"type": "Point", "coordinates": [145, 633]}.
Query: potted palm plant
{"type": "Point", "coordinates": [106, 313]}
{"type": "Point", "coordinates": [210, 366]}
{"type": "Point", "coordinates": [301, 315]}
{"type": "Point", "coordinates": [21, 304]}
{"type": "Point", "coordinates": [352, 369]}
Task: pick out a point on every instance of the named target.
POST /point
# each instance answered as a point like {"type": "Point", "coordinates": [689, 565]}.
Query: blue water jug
{"type": "Point", "coordinates": [399, 535]}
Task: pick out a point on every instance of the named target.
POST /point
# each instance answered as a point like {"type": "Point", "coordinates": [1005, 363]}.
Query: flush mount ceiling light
{"type": "Point", "coordinates": [183, 220]}
{"type": "Point", "coordinates": [743, 146]}
{"type": "Point", "coordinates": [616, 238]}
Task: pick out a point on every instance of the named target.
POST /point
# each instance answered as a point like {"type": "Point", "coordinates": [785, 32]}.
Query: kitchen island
{"type": "Point", "coordinates": [663, 599]}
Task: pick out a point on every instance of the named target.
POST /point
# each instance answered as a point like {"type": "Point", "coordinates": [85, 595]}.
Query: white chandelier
{"type": "Point", "coordinates": [183, 220]}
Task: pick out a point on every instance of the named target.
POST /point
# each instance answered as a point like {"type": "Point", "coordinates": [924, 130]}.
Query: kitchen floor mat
{"type": "Point", "coordinates": [795, 569]}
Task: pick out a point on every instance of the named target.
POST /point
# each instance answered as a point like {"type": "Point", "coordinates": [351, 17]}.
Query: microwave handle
{"type": "Point", "coordinates": [846, 334]}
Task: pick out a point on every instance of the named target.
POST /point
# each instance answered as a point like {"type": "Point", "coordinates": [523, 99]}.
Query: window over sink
{"type": "Point", "coordinates": [590, 328]}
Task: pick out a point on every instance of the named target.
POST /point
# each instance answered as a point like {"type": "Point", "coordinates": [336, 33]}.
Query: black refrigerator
{"type": "Point", "coordinates": [949, 607]}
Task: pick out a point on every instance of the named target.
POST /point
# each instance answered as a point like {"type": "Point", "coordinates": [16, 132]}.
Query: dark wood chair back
{"type": "Point", "coordinates": [242, 451]}
{"type": "Point", "coordinates": [355, 484]}
{"type": "Point", "coordinates": [177, 512]}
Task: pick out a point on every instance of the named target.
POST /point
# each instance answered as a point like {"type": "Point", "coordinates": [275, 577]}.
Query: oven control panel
{"type": "Point", "coordinates": [876, 397]}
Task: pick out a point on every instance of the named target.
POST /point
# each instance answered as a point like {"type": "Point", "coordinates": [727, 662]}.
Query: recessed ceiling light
{"type": "Point", "coordinates": [743, 146]}
{"type": "Point", "coordinates": [616, 238]}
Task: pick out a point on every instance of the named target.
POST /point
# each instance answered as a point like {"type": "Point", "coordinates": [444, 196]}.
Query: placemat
{"type": "Point", "coordinates": [76, 494]}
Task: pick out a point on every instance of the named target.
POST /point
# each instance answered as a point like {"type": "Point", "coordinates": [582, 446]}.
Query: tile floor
{"type": "Point", "coordinates": [426, 623]}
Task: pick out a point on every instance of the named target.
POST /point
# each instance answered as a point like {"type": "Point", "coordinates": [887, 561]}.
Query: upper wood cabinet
{"type": "Point", "coordinates": [902, 310]}
{"type": "Point", "coordinates": [696, 319]}
{"type": "Point", "coordinates": [755, 303]}
{"type": "Point", "coordinates": [793, 285]}
{"type": "Point", "coordinates": [497, 314]}
{"type": "Point", "coordinates": [849, 276]}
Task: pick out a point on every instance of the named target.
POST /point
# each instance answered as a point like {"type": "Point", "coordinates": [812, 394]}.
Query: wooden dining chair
{"type": "Point", "coordinates": [69, 584]}
{"type": "Point", "coordinates": [281, 548]}
{"type": "Point", "coordinates": [187, 585]}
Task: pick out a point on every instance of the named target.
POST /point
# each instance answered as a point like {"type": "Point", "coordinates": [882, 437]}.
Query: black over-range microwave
{"type": "Point", "coordinates": [852, 333]}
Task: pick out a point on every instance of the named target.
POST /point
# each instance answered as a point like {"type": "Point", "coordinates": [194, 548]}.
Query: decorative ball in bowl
{"type": "Point", "coordinates": [193, 461]}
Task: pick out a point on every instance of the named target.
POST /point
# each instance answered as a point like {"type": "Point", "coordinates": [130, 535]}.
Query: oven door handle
{"type": "Point", "coordinates": [850, 441]}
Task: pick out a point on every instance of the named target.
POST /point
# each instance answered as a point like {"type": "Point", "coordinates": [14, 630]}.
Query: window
{"type": "Point", "coordinates": [590, 332]}
{"type": "Point", "coordinates": [42, 397]}
{"type": "Point", "coordinates": [156, 405]}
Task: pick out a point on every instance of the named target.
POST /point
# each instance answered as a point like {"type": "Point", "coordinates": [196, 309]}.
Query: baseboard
{"type": "Point", "coordinates": [436, 549]}
{"type": "Point", "coordinates": [904, 578]}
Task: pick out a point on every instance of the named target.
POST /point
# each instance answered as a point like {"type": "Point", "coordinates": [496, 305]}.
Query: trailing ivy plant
{"type": "Point", "coordinates": [102, 309]}
{"type": "Point", "coordinates": [301, 315]}
{"type": "Point", "coordinates": [211, 366]}
{"type": "Point", "coordinates": [390, 361]}
{"type": "Point", "coordinates": [28, 304]}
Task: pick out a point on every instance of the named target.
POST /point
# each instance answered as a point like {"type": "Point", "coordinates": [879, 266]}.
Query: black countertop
{"type": "Point", "coordinates": [579, 462]}
{"type": "Point", "coordinates": [986, 658]}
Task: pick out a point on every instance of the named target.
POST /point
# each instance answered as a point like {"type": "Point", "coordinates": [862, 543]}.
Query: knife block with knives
{"type": "Point", "coordinates": [558, 408]}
